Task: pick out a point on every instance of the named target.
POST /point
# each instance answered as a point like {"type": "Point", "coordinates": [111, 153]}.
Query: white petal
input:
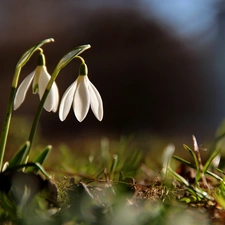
{"type": "Point", "coordinates": [43, 79]}
{"type": "Point", "coordinates": [22, 90]}
{"type": "Point", "coordinates": [52, 100]}
{"type": "Point", "coordinates": [82, 99]}
{"type": "Point", "coordinates": [67, 100]}
{"type": "Point", "coordinates": [55, 92]}
{"type": "Point", "coordinates": [96, 102]}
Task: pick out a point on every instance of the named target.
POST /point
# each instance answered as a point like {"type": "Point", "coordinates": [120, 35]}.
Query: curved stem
{"type": "Point", "coordinates": [40, 108]}
{"type": "Point", "coordinates": [79, 57]}
{"type": "Point", "coordinates": [40, 49]}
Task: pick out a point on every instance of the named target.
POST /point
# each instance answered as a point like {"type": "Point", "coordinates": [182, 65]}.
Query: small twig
{"type": "Point", "coordinates": [87, 190]}
{"type": "Point", "coordinates": [198, 155]}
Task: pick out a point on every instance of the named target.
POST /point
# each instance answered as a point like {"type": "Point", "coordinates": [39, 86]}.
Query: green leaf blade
{"type": "Point", "coordinates": [209, 161]}
{"type": "Point", "coordinates": [198, 172]}
{"type": "Point", "coordinates": [20, 155]}
{"type": "Point", "coordinates": [40, 159]}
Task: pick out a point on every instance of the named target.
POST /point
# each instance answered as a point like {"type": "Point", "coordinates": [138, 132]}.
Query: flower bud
{"type": "Point", "coordinates": [83, 70]}
{"type": "Point", "coordinates": [41, 60]}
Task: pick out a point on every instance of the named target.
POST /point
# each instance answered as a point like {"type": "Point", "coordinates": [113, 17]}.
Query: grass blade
{"type": "Point", "coordinates": [20, 155]}
{"type": "Point", "coordinates": [209, 161]}
{"type": "Point", "coordinates": [178, 177]}
{"type": "Point", "coordinates": [40, 159]}
{"type": "Point", "coordinates": [198, 172]}
{"type": "Point", "coordinates": [193, 166]}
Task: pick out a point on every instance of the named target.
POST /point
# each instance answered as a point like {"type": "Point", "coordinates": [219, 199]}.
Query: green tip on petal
{"type": "Point", "coordinates": [35, 89]}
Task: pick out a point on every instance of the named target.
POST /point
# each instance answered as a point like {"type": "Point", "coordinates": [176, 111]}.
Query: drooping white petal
{"type": "Point", "coordinates": [55, 92]}
{"type": "Point", "coordinates": [52, 99]}
{"type": "Point", "coordinates": [82, 99]}
{"type": "Point", "coordinates": [35, 85]}
{"type": "Point", "coordinates": [22, 90]}
{"type": "Point", "coordinates": [43, 79]}
{"type": "Point", "coordinates": [96, 101]}
{"type": "Point", "coordinates": [67, 100]}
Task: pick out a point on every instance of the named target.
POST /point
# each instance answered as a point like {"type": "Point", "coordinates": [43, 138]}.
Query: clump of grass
{"type": "Point", "coordinates": [117, 190]}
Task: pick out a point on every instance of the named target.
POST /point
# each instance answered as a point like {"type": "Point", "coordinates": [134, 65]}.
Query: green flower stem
{"type": "Point", "coordinates": [6, 125]}
{"type": "Point", "coordinates": [82, 60]}
{"type": "Point", "coordinates": [22, 61]}
{"type": "Point", "coordinates": [62, 63]}
{"type": "Point", "coordinates": [40, 108]}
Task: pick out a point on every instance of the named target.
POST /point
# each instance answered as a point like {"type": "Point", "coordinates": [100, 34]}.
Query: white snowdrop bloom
{"type": "Point", "coordinates": [82, 94]}
{"type": "Point", "coordinates": [39, 79]}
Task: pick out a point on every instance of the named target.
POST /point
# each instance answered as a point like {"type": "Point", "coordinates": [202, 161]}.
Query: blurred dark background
{"type": "Point", "coordinates": [159, 66]}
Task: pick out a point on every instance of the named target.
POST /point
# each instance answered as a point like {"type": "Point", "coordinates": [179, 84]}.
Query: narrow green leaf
{"type": "Point", "coordinates": [219, 170]}
{"type": "Point", "coordinates": [40, 159]}
{"type": "Point", "coordinates": [220, 199]}
{"type": "Point", "coordinates": [214, 175]}
{"type": "Point", "coordinates": [198, 172]}
{"type": "Point", "coordinates": [43, 170]}
{"type": "Point", "coordinates": [194, 167]}
{"type": "Point", "coordinates": [30, 164]}
{"type": "Point", "coordinates": [20, 155]}
{"type": "Point", "coordinates": [209, 161]}
{"type": "Point", "coordinates": [201, 193]}
{"type": "Point", "coordinates": [184, 161]}
{"type": "Point", "coordinates": [194, 190]}
{"type": "Point", "coordinates": [113, 166]}
{"type": "Point", "coordinates": [178, 177]}
{"type": "Point", "coordinates": [192, 154]}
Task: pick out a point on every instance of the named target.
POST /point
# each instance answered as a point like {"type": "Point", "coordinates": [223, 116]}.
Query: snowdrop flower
{"type": "Point", "coordinates": [83, 95]}
{"type": "Point", "coordinates": [40, 78]}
